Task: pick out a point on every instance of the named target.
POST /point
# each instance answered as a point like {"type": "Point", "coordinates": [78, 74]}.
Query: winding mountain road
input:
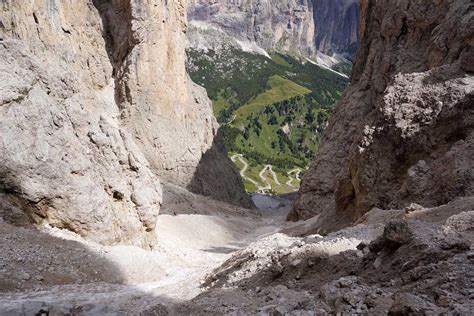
{"type": "Point", "coordinates": [267, 168]}
{"type": "Point", "coordinates": [268, 186]}
{"type": "Point", "coordinates": [297, 173]}
{"type": "Point", "coordinates": [244, 169]}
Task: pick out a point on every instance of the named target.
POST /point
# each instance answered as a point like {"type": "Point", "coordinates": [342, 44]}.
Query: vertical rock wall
{"type": "Point", "coordinates": [336, 26]}
{"type": "Point", "coordinates": [285, 26]}
{"type": "Point", "coordinates": [95, 109]}
{"type": "Point", "coordinates": [170, 117]}
{"type": "Point", "coordinates": [297, 27]}
{"type": "Point", "coordinates": [403, 132]}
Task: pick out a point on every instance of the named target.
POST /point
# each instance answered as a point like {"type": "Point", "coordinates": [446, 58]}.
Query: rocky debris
{"type": "Point", "coordinates": [58, 271]}
{"type": "Point", "coordinates": [401, 266]}
{"type": "Point", "coordinates": [459, 211]}
{"type": "Point", "coordinates": [34, 260]}
{"type": "Point", "coordinates": [350, 295]}
{"type": "Point", "coordinates": [395, 234]}
{"type": "Point", "coordinates": [269, 257]}
{"type": "Point", "coordinates": [408, 304]}
{"type": "Point", "coordinates": [403, 131]}
{"type": "Point", "coordinates": [406, 266]}
{"type": "Point", "coordinates": [463, 223]}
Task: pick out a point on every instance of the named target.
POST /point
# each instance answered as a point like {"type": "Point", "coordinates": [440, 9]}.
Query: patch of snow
{"type": "Point", "coordinates": [327, 62]}
{"type": "Point", "coordinates": [252, 47]}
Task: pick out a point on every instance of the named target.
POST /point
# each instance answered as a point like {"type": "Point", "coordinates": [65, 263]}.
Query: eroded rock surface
{"type": "Point", "coordinates": [403, 131]}
{"type": "Point", "coordinates": [96, 108]}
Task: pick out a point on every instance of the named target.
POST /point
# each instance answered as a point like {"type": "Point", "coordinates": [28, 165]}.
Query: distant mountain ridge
{"type": "Point", "coordinates": [305, 28]}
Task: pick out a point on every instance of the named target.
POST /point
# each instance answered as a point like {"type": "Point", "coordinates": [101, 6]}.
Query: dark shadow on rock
{"type": "Point", "coordinates": [180, 201]}
{"type": "Point", "coordinates": [217, 177]}
{"type": "Point", "coordinates": [118, 39]}
{"type": "Point", "coordinates": [32, 259]}
{"type": "Point", "coordinates": [225, 250]}
{"type": "Point", "coordinates": [238, 244]}
{"type": "Point", "coordinates": [335, 34]}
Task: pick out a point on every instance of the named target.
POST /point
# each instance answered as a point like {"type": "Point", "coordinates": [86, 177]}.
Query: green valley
{"type": "Point", "coordinates": [272, 111]}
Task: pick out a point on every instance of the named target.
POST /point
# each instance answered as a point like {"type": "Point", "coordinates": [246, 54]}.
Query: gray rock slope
{"type": "Point", "coordinates": [401, 267]}
{"type": "Point", "coordinates": [95, 109]}
{"type": "Point", "coordinates": [403, 131]}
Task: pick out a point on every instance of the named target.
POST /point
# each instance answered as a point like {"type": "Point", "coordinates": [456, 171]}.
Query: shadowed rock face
{"type": "Point", "coordinates": [96, 108]}
{"type": "Point", "coordinates": [403, 131]}
{"type": "Point", "coordinates": [336, 26]}
{"type": "Point", "coordinates": [300, 27]}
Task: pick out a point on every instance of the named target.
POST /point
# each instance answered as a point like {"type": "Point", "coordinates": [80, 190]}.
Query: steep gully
{"type": "Point", "coordinates": [180, 264]}
{"type": "Point", "coordinates": [192, 244]}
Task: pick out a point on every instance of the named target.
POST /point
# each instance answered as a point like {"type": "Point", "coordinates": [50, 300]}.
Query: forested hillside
{"type": "Point", "coordinates": [272, 109]}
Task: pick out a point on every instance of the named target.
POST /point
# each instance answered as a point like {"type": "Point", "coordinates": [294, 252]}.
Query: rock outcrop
{"type": "Point", "coordinates": [96, 108]}
{"type": "Point", "coordinates": [295, 27]}
{"type": "Point", "coordinates": [403, 131]}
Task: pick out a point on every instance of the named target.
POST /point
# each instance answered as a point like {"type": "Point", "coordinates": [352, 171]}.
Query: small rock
{"type": "Point", "coordinates": [25, 276]}
{"type": "Point", "coordinates": [362, 246]}
{"type": "Point", "coordinates": [413, 208]}
{"type": "Point", "coordinates": [39, 277]}
{"type": "Point", "coordinates": [346, 282]}
{"type": "Point", "coordinates": [377, 263]}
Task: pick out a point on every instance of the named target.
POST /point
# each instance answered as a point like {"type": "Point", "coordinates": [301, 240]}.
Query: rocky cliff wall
{"type": "Point", "coordinates": [403, 131]}
{"type": "Point", "coordinates": [336, 26]}
{"type": "Point", "coordinates": [274, 25]}
{"type": "Point", "coordinates": [96, 108]}
{"type": "Point", "coordinates": [300, 27]}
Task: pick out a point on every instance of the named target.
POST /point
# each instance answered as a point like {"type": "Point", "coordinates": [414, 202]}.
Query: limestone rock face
{"type": "Point", "coordinates": [274, 25]}
{"type": "Point", "coordinates": [95, 108]}
{"type": "Point", "coordinates": [403, 131]}
{"type": "Point", "coordinates": [297, 27]}
{"type": "Point", "coordinates": [177, 127]}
